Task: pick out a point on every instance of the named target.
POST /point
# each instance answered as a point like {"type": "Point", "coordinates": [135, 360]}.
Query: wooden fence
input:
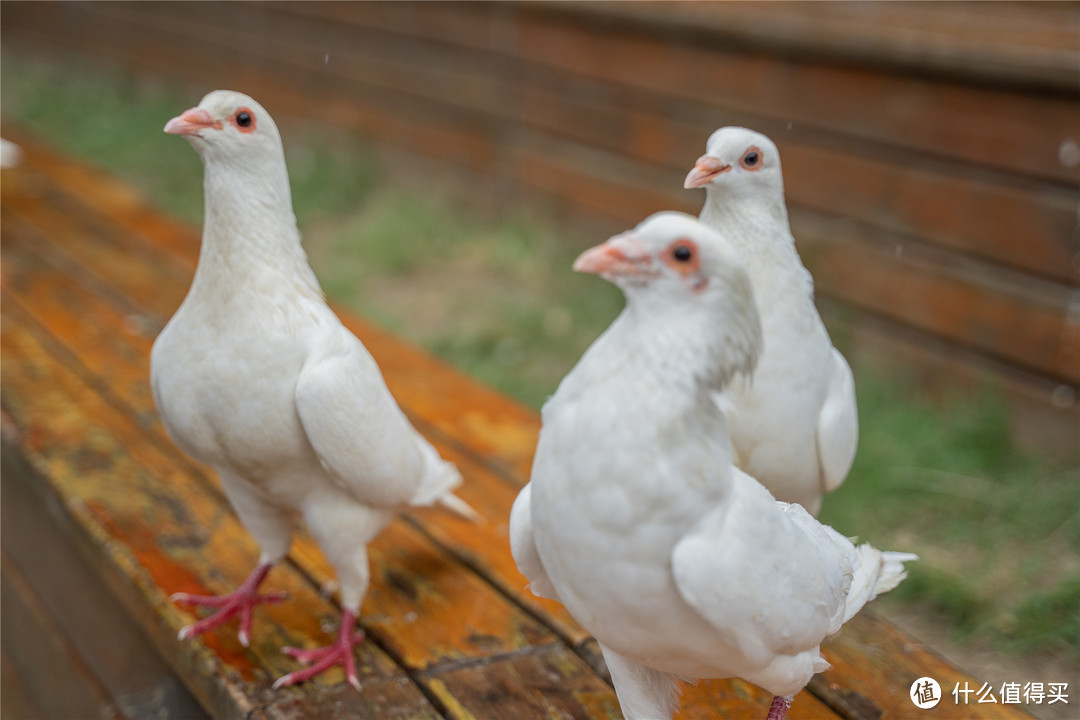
{"type": "Point", "coordinates": [930, 151]}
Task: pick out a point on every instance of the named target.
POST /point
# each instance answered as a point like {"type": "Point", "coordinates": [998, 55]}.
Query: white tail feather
{"type": "Point", "coordinates": [452, 502]}
{"type": "Point", "coordinates": [875, 572]}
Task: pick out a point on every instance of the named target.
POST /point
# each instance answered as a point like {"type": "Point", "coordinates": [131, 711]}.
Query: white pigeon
{"type": "Point", "coordinates": [796, 427]}
{"type": "Point", "coordinates": [635, 517]}
{"type": "Point", "coordinates": [255, 376]}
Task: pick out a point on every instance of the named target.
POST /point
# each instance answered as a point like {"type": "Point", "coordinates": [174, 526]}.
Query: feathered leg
{"type": "Point", "coordinates": [644, 693]}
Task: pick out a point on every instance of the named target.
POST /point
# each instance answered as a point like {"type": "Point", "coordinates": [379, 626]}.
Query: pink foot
{"type": "Point", "coordinates": [320, 659]}
{"type": "Point", "coordinates": [778, 709]}
{"type": "Point", "coordinates": [241, 600]}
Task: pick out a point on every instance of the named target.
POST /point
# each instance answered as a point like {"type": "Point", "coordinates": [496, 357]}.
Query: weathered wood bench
{"type": "Point", "coordinates": [103, 519]}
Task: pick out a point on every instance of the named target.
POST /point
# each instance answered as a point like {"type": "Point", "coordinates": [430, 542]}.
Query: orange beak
{"type": "Point", "coordinates": [621, 255]}
{"type": "Point", "coordinates": [190, 122]}
{"type": "Point", "coordinates": [705, 169]}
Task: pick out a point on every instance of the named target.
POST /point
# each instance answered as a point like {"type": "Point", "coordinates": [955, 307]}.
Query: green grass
{"type": "Point", "coordinates": [998, 530]}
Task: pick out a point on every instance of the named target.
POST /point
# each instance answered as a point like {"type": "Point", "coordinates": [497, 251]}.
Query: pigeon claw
{"type": "Point", "coordinates": [240, 601]}
{"type": "Point", "coordinates": [318, 660]}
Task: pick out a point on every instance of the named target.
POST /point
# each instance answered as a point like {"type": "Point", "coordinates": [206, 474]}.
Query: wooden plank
{"type": "Point", "coordinates": [1044, 415]}
{"type": "Point", "coordinates": [874, 666]}
{"type": "Point", "coordinates": [394, 699]}
{"type": "Point", "coordinates": [1023, 321]}
{"type": "Point", "coordinates": [15, 698]}
{"type": "Point", "coordinates": [100, 633]}
{"type": "Point", "coordinates": [108, 30]}
{"type": "Point", "coordinates": [979, 125]}
{"type": "Point", "coordinates": [947, 204]}
{"type": "Point", "coordinates": [1000, 313]}
{"type": "Point", "coordinates": [1028, 45]}
{"type": "Point", "coordinates": [63, 685]}
{"type": "Point", "coordinates": [981, 308]}
{"type": "Point", "coordinates": [553, 682]}
{"type": "Point", "coordinates": [980, 216]}
{"type": "Point", "coordinates": [550, 682]}
{"type": "Point", "coordinates": [943, 202]}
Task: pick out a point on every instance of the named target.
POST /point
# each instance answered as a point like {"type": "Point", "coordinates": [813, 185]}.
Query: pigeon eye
{"type": "Point", "coordinates": [751, 159]}
{"type": "Point", "coordinates": [244, 120]}
{"type": "Point", "coordinates": [683, 253]}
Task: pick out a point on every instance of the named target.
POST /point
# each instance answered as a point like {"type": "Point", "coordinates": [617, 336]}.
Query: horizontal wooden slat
{"type": "Point", "coordinates": [1021, 321]}
{"type": "Point", "coordinates": [983, 126]}
{"type": "Point", "coordinates": [962, 208]}
{"type": "Point", "coordinates": [1025, 44]}
{"type": "Point", "coordinates": [964, 214]}
{"type": "Point", "coordinates": [16, 699]}
{"type": "Point", "coordinates": [99, 632]}
{"type": "Point", "coordinates": [33, 640]}
{"type": "Point", "coordinates": [1004, 314]}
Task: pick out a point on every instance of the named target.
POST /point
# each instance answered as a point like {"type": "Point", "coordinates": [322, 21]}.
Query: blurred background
{"type": "Point", "coordinates": [449, 160]}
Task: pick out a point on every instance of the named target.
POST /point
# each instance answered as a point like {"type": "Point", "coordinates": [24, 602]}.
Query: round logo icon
{"type": "Point", "coordinates": [925, 693]}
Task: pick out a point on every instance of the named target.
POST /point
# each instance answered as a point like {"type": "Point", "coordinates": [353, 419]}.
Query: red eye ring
{"type": "Point", "coordinates": [244, 120]}
{"type": "Point", "coordinates": [751, 159]}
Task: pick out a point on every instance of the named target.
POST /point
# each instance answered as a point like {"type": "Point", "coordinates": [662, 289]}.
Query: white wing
{"type": "Point", "coordinates": [838, 425]}
{"type": "Point", "coordinates": [361, 436]}
{"type": "Point", "coordinates": [766, 572]}
{"type": "Point", "coordinates": [523, 547]}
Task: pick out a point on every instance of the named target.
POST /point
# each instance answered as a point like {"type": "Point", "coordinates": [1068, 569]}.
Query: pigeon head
{"type": "Point", "coordinates": [669, 252]}
{"type": "Point", "coordinates": [736, 159]}
{"type": "Point", "coordinates": [227, 124]}
{"type": "Point", "coordinates": [686, 279]}
{"type": "Point", "coordinates": [246, 179]}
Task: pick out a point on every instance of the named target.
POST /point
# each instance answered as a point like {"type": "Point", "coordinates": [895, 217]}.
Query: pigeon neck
{"type": "Point", "coordinates": [755, 222]}
{"type": "Point", "coordinates": [691, 349]}
{"type": "Point", "coordinates": [249, 224]}
{"type": "Point", "coordinates": [659, 378]}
